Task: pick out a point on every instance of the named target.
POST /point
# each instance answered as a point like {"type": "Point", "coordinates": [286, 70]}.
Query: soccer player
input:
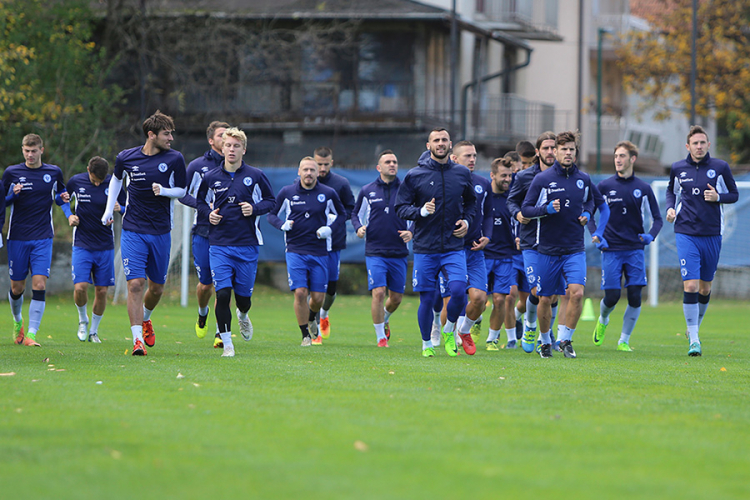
{"type": "Point", "coordinates": [93, 243]}
{"type": "Point", "coordinates": [308, 212]}
{"type": "Point", "coordinates": [232, 198]}
{"type": "Point", "coordinates": [563, 198]}
{"type": "Point", "coordinates": [476, 239]}
{"type": "Point", "coordinates": [31, 189]}
{"type": "Point", "coordinates": [439, 196]}
{"type": "Point", "coordinates": [157, 178]}
{"type": "Point", "coordinates": [516, 163]}
{"type": "Point", "coordinates": [528, 154]}
{"type": "Point", "coordinates": [324, 159]}
{"type": "Point", "coordinates": [630, 200]}
{"type": "Point", "coordinates": [501, 275]}
{"type": "Point", "coordinates": [698, 186]}
{"type": "Point", "coordinates": [197, 168]}
{"type": "Point", "coordinates": [374, 218]}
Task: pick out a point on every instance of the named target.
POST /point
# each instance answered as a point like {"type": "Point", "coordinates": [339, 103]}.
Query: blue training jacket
{"type": "Point", "coordinates": [340, 184]}
{"type": "Point", "coordinates": [195, 172]}
{"type": "Point", "coordinates": [502, 243]}
{"type": "Point", "coordinates": [481, 224]}
{"type": "Point", "coordinates": [518, 189]}
{"type": "Point", "coordinates": [376, 209]}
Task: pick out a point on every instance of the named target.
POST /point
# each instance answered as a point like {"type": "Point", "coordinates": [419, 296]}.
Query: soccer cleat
{"type": "Point", "coordinates": [306, 341]}
{"type": "Point", "coordinates": [545, 351]}
{"type": "Point", "coordinates": [30, 340]}
{"type": "Point", "coordinates": [317, 340]}
{"type": "Point", "coordinates": [94, 338]}
{"type": "Point", "coordinates": [246, 327]}
{"type": "Point", "coordinates": [429, 352]}
{"type": "Point", "coordinates": [228, 351]}
{"type": "Point", "coordinates": [435, 335]}
{"type": "Point", "coordinates": [492, 345]}
{"type": "Point", "coordinates": [82, 331]}
{"type": "Point", "coordinates": [511, 344]}
{"type": "Point", "coordinates": [325, 327]}
{"type": "Point", "coordinates": [623, 346]}
{"type": "Point", "coordinates": [139, 349]}
{"type": "Point", "coordinates": [566, 346]}
{"type": "Point", "coordinates": [457, 338]}
{"type": "Point", "coordinates": [383, 343]}
{"type": "Point", "coordinates": [599, 332]}
{"type": "Point", "coordinates": [476, 330]}
{"type": "Point", "coordinates": [18, 331]}
{"type": "Point", "coordinates": [449, 341]}
{"type": "Point", "coordinates": [527, 341]}
{"type": "Point", "coordinates": [200, 326]}
{"type": "Point", "coordinates": [695, 349]}
{"type": "Point", "coordinates": [218, 343]}
{"type": "Point", "coordinates": [468, 343]}
{"type": "Point", "coordinates": [387, 328]}
{"type": "Point", "coordinates": [312, 327]}
{"type": "Point", "coordinates": [149, 337]}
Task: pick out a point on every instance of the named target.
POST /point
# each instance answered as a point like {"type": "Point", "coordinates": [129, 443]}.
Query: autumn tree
{"type": "Point", "coordinates": [656, 65]}
{"type": "Point", "coordinates": [52, 83]}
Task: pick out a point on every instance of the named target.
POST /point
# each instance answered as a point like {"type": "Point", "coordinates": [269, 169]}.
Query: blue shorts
{"type": "Point", "coordinates": [34, 255]}
{"type": "Point", "coordinates": [145, 255]}
{"type": "Point", "coordinates": [476, 271]}
{"type": "Point", "coordinates": [334, 265]}
{"type": "Point", "coordinates": [519, 271]}
{"type": "Point", "coordinates": [428, 265]}
{"type": "Point", "coordinates": [554, 272]}
{"type": "Point", "coordinates": [388, 272]}
{"type": "Point", "coordinates": [529, 263]}
{"type": "Point", "coordinates": [234, 267]}
{"type": "Point", "coordinates": [632, 262]}
{"type": "Point", "coordinates": [201, 259]}
{"type": "Point", "coordinates": [307, 271]}
{"type": "Point", "coordinates": [99, 263]}
{"type": "Point", "coordinates": [699, 256]}
{"type": "Point", "coordinates": [501, 275]}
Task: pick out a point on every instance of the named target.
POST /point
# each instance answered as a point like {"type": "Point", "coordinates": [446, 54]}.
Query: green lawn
{"type": "Point", "coordinates": [349, 420]}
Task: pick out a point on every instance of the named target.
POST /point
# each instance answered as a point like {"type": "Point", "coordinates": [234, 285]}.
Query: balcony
{"type": "Point", "coordinates": [531, 19]}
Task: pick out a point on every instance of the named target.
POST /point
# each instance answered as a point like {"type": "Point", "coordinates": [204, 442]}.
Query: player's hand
{"type": "Point", "coordinates": [428, 208]}
{"type": "Point", "coordinates": [583, 220]}
{"type": "Point", "coordinates": [646, 238]}
{"type": "Point", "coordinates": [362, 230]}
{"type": "Point", "coordinates": [247, 208]}
{"type": "Point", "coordinates": [73, 220]}
{"type": "Point", "coordinates": [553, 207]}
{"type": "Point", "coordinates": [156, 187]}
{"type": "Point", "coordinates": [600, 242]}
{"type": "Point", "coordinates": [118, 208]}
{"type": "Point", "coordinates": [286, 226]}
{"type": "Point", "coordinates": [461, 229]}
{"type": "Point", "coordinates": [17, 188]}
{"type": "Point", "coordinates": [107, 218]}
{"type": "Point", "coordinates": [214, 217]}
{"type": "Point", "coordinates": [323, 232]}
{"type": "Point", "coordinates": [671, 215]}
{"type": "Point", "coordinates": [520, 218]}
{"type": "Point", "coordinates": [518, 243]}
{"type": "Point", "coordinates": [479, 244]}
{"type": "Point", "coordinates": [65, 197]}
{"type": "Point", "coordinates": [711, 194]}
{"type": "Point", "coordinates": [406, 236]}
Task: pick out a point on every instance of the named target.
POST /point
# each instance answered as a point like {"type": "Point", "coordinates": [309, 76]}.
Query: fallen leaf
{"type": "Point", "coordinates": [9, 374]}
{"type": "Point", "coordinates": [60, 370]}
{"type": "Point", "coordinates": [722, 369]}
{"type": "Point", "coordinates": [501, 378]}
{"type": "Point", "coordinates": [391, 373]}
{"type": "Point", "coordinates": [361, 446]}
{"type": "Point", "coordinates": [116, 454]}
{"type": "Point", "coordinates": [180, 375]}
{"type": "Point", "coordinates": [99, 382]}
{"type": "Point", "coordinates": [196, 385]}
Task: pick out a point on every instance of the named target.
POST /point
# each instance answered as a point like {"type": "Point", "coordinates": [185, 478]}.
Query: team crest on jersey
{"type": "Point", "coordinates": [478, 189]}
{"type": "Point", "coordinates": [47, 178]}
{"type": "Point", "coordinates": [579, 183]}
{"type": "Point", "coordinates": [106, 191]}
{"type": "Point", "coordinates": [711, 173]}
{"type": "Point", "coordinates": [247, 181]}
{"type": "Point", "coordinates": [637, 193]}
{"type": "Point", "coordinates": [321, 198]}
{"type": "Point", "coordinates": [162, 167]}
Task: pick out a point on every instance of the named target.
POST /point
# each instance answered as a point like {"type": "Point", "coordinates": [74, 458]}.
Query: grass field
{"type": "Point", "coordinates": [349, 420]}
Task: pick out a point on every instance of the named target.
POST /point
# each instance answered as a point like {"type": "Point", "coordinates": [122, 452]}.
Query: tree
{"type": "Point", "coordinates": [656, 65]}
{"type": "Point", "coordinates": [52, 83]}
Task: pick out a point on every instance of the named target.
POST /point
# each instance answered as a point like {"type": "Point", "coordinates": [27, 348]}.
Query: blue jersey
{"type": "Point", "coordinates": [687, 181]}
{"type": "Point", "coordinates": [340, 184]}
{"type": "Point", "coordinates": [90, 202]}
{"type": "Point", "coordinates": [147, 213]}
{"type": "Point", "coordinates": [481, 223]}
{"type": "Point", "coordinates": [223, 190]}
{"type": "Point", "coordinates": [630, 200]}
{"type": "Point", "coordinates": [450, 185]}
{"type": "Point", "coordinates": [518, 189]}
{"type": "Point", "coordinates": [502, 243]}
{"type": "Point", "coordinates": [309, 209]}
{"type": "Point", "coordinates": [195, 172]}
{"type": "Point", "coordinates": [560, 233]}
{"type": "Point", "coordinates": [376, 209]}
{"type": "Point", "coordinates": [31, 209]}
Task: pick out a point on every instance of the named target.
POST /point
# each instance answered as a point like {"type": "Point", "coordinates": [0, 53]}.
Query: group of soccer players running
{"type": "Point", "coordinates": [519, 236]}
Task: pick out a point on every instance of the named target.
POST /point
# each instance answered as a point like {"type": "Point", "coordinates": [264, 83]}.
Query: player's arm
{"type": "Point", "coordinates": [347, 198]}
{"type": "Point", "coordinates": [487, 220]}
{"type": "Point", "coordinates": [263, 198]}
{"type": "Point", "coordinates": [657, 222]}
{"type": "Point", "coordinates": [726, 188]}
{"type": "Point", "coordinates": [115, 185]}
{"type": "Point", "coordinates": [177, 181]}
{"type": "Point", "coordinates": [469, 202]}
{"type": "Point", "coordinates": [195, 179]}
{"type": "Point", "coordinates": [360, 210]}
{"type": "Point", "coordinates": [2, 209]}
{"type": "Point", "coordinates": [281, 208]}
{"type": "Point", "coordinates": [671, 196]}
{"type": "Point", "coordinates": [202, 201]}
{"type": "Point", "coordinates": [532, 206]}
{"type": "Point", "coordinates": [515, 200]}
{"type": "Point", "coordinates": [405, 199]}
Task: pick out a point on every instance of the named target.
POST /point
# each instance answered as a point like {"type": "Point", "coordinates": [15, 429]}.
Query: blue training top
{"type": "Point", "coordinates": [376, 209]}
{"type": "Point", "coordinates": [31, 209]}
{"type": "Point", "coordinates": [90, 202]}
{"type": "Point", "coordinates": [195, 172]}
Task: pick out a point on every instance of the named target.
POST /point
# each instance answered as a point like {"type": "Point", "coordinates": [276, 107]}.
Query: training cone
{"type": "Point", "coordinates": [588, 311]}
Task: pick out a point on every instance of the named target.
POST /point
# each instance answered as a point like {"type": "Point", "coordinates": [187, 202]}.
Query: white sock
{"type": "Point", "coordinates": [242, 315]}
{"type": "Point", "coordinates": [449, 327]}
{"type": "Point", "coordinates": [226, 337]}
{"type": "Point", "coordinates": [203, 311]}
{"type": "Point", "coordinates": [494, 335]}
{"type": "Point", "coordinates": [466, 325]}
{"type": "Point", "coordinates": [323, 313]}
{"type": "Point", "coordinates": [379, 330]}
{"type": "Point", "coordinates": [518, 314]}
{"type": "Point", "coordinates": [83, 316]}
{"type": "Point", "coordinates": [426, 344]}
{"type": "Point", "coordinates": [95, 319]}
{"type": "Point", "coordinates": [387, 315]}
{"type": "Point", "coordinates": [137, 332]}
{"type": "Point", "coordinates": [15, 307]}
{"type": "Point", "coordinates": [435, 318]}
{"type": "Point", "coordinates": [147, 313]}
{"type": "Point", "coordinates": [511, 333]}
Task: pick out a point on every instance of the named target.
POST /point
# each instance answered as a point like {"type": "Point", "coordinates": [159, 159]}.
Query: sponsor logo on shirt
{"type": "Point", "coordinates": [295, 197]}
{"type": "Point", "coordinates": [552, 184]}
{"type": "Point", "coordinates": [372, 194]}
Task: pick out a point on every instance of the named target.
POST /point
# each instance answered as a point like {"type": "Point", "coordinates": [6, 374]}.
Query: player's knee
{"type": "Point", "coordinates": [378, 294]}
{"type": "Point", "coordinates": [331, 290]}
{"type": "Point", "coordinates": [498, 300]}
{"type": "Point", "coordinates": [634, 296]}
{"type": "Point", "coordinates": [396, 299]}
{"type": "Point", "coordinates": [38, 295]}
{"type": "Point", "coordinates": [611, 297]}
{"type": "Point", "coordinates": [243, 303]}
{"type": "Point", "coordinates": [223, 297]}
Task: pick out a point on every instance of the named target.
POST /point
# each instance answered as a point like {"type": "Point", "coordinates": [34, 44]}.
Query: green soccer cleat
{"type": "Point", "coordinates": [449, 341]}
{"type": "Point", "coordinates": [476, 331]}
{"type": "Point", "coordinates": [18, 332]}
{"type": "Point", "coordinates": [624, 347]}
{"type": "Point", "coordinates": [599, 333]}
{"type": "Point", "coordinates": [429, 352]}
{"type": "Point", "coordinates": [695, 349]}
{"type": "Point", "coordinates": [492, 345]}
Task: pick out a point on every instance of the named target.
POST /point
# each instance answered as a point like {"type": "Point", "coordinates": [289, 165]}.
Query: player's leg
{"type": "Point", "coordinates": [319, 279]}
{"type": "Point", "coordinates": [710, 251]}
{"type": "Point", "coordinates": [549, 283]}
{"type": "Point", "coordinates": [134, 259]}
{"type": "Point", "coordinates": [19, 264]}
{"type": "Point", "coordinates": [689, 254]}
{"type": "Point", "coordinates": [82, 262]}
{"type": "Point", "coordinates": [510, 314]}
{"type": "Point", "coordinates": [477, 298]}
{"type": "Point", "coordinates": [396, 283]}
{"type": "Point", "coordinates": [40, 260]}
{"type": "Point", "coordinates": [158, 247]}
{"type": "Point", "coordinates": [454, 265]}
{"type": "Point", "coordinates": [424, 281]}
{"type": "Point", "coordinates": [532, 302]}
{"type": "Point", "coordinates": [437, 312]}
{"type": "Point", "coordinates": [224, 316]}
{"type": "Point", "coordinates": [612, 265]}
{"type": "Point", "coordinates": [376, 283]}
{"type": "Point", "coordinates": [97, 311]}
{"type": "Point", "coordinates": [103, 277]}
{"type": "Point", "coordinates": [635, 279]}
{"type": "Point", "coordinates": [497, 318]}
{"type": "Point", "coordinates": [334, 266]}
{"type": "Point", "coordinates": [205, 287]}
{"type": "Point", "coordinates": [246, 268]}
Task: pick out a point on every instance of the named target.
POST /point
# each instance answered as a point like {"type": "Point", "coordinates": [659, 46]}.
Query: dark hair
{"type": "Point", "coordinates": [323, 152]}
{"type": "Point", "coordinates": [525, 149]}
{"type": "Point", "coordinates": [99, 167]}
{"type": "Point", "coordinates": [385, 152]}
{"type": "Point", "coordinates": [157, 122]}
{"type": "Point", "coordinates": [512, 156]}
{"type": "Point", "coordinates": [696, 129]}
{"type": "Point", "coordinates": [546, 136]}
{"type": "Point", "coordinates": [500, 162]}
{"type": "Point", "coordinates": [632, 148]}
{"type": "Point", "coordinates": [566, 137]}
{"type": "Point", "coordinates": [437, 129]}
{"type": "Point", "coordinates": [211, 130]}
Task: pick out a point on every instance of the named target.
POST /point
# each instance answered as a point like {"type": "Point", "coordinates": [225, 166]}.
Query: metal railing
{"type": "Point", "coordinates": [538, 14]}
{"type": "Point", "coordinates": [509, 117]}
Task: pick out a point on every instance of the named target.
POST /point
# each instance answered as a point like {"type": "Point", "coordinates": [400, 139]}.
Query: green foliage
{"type": "Point", "coordinates": [52, 83]}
